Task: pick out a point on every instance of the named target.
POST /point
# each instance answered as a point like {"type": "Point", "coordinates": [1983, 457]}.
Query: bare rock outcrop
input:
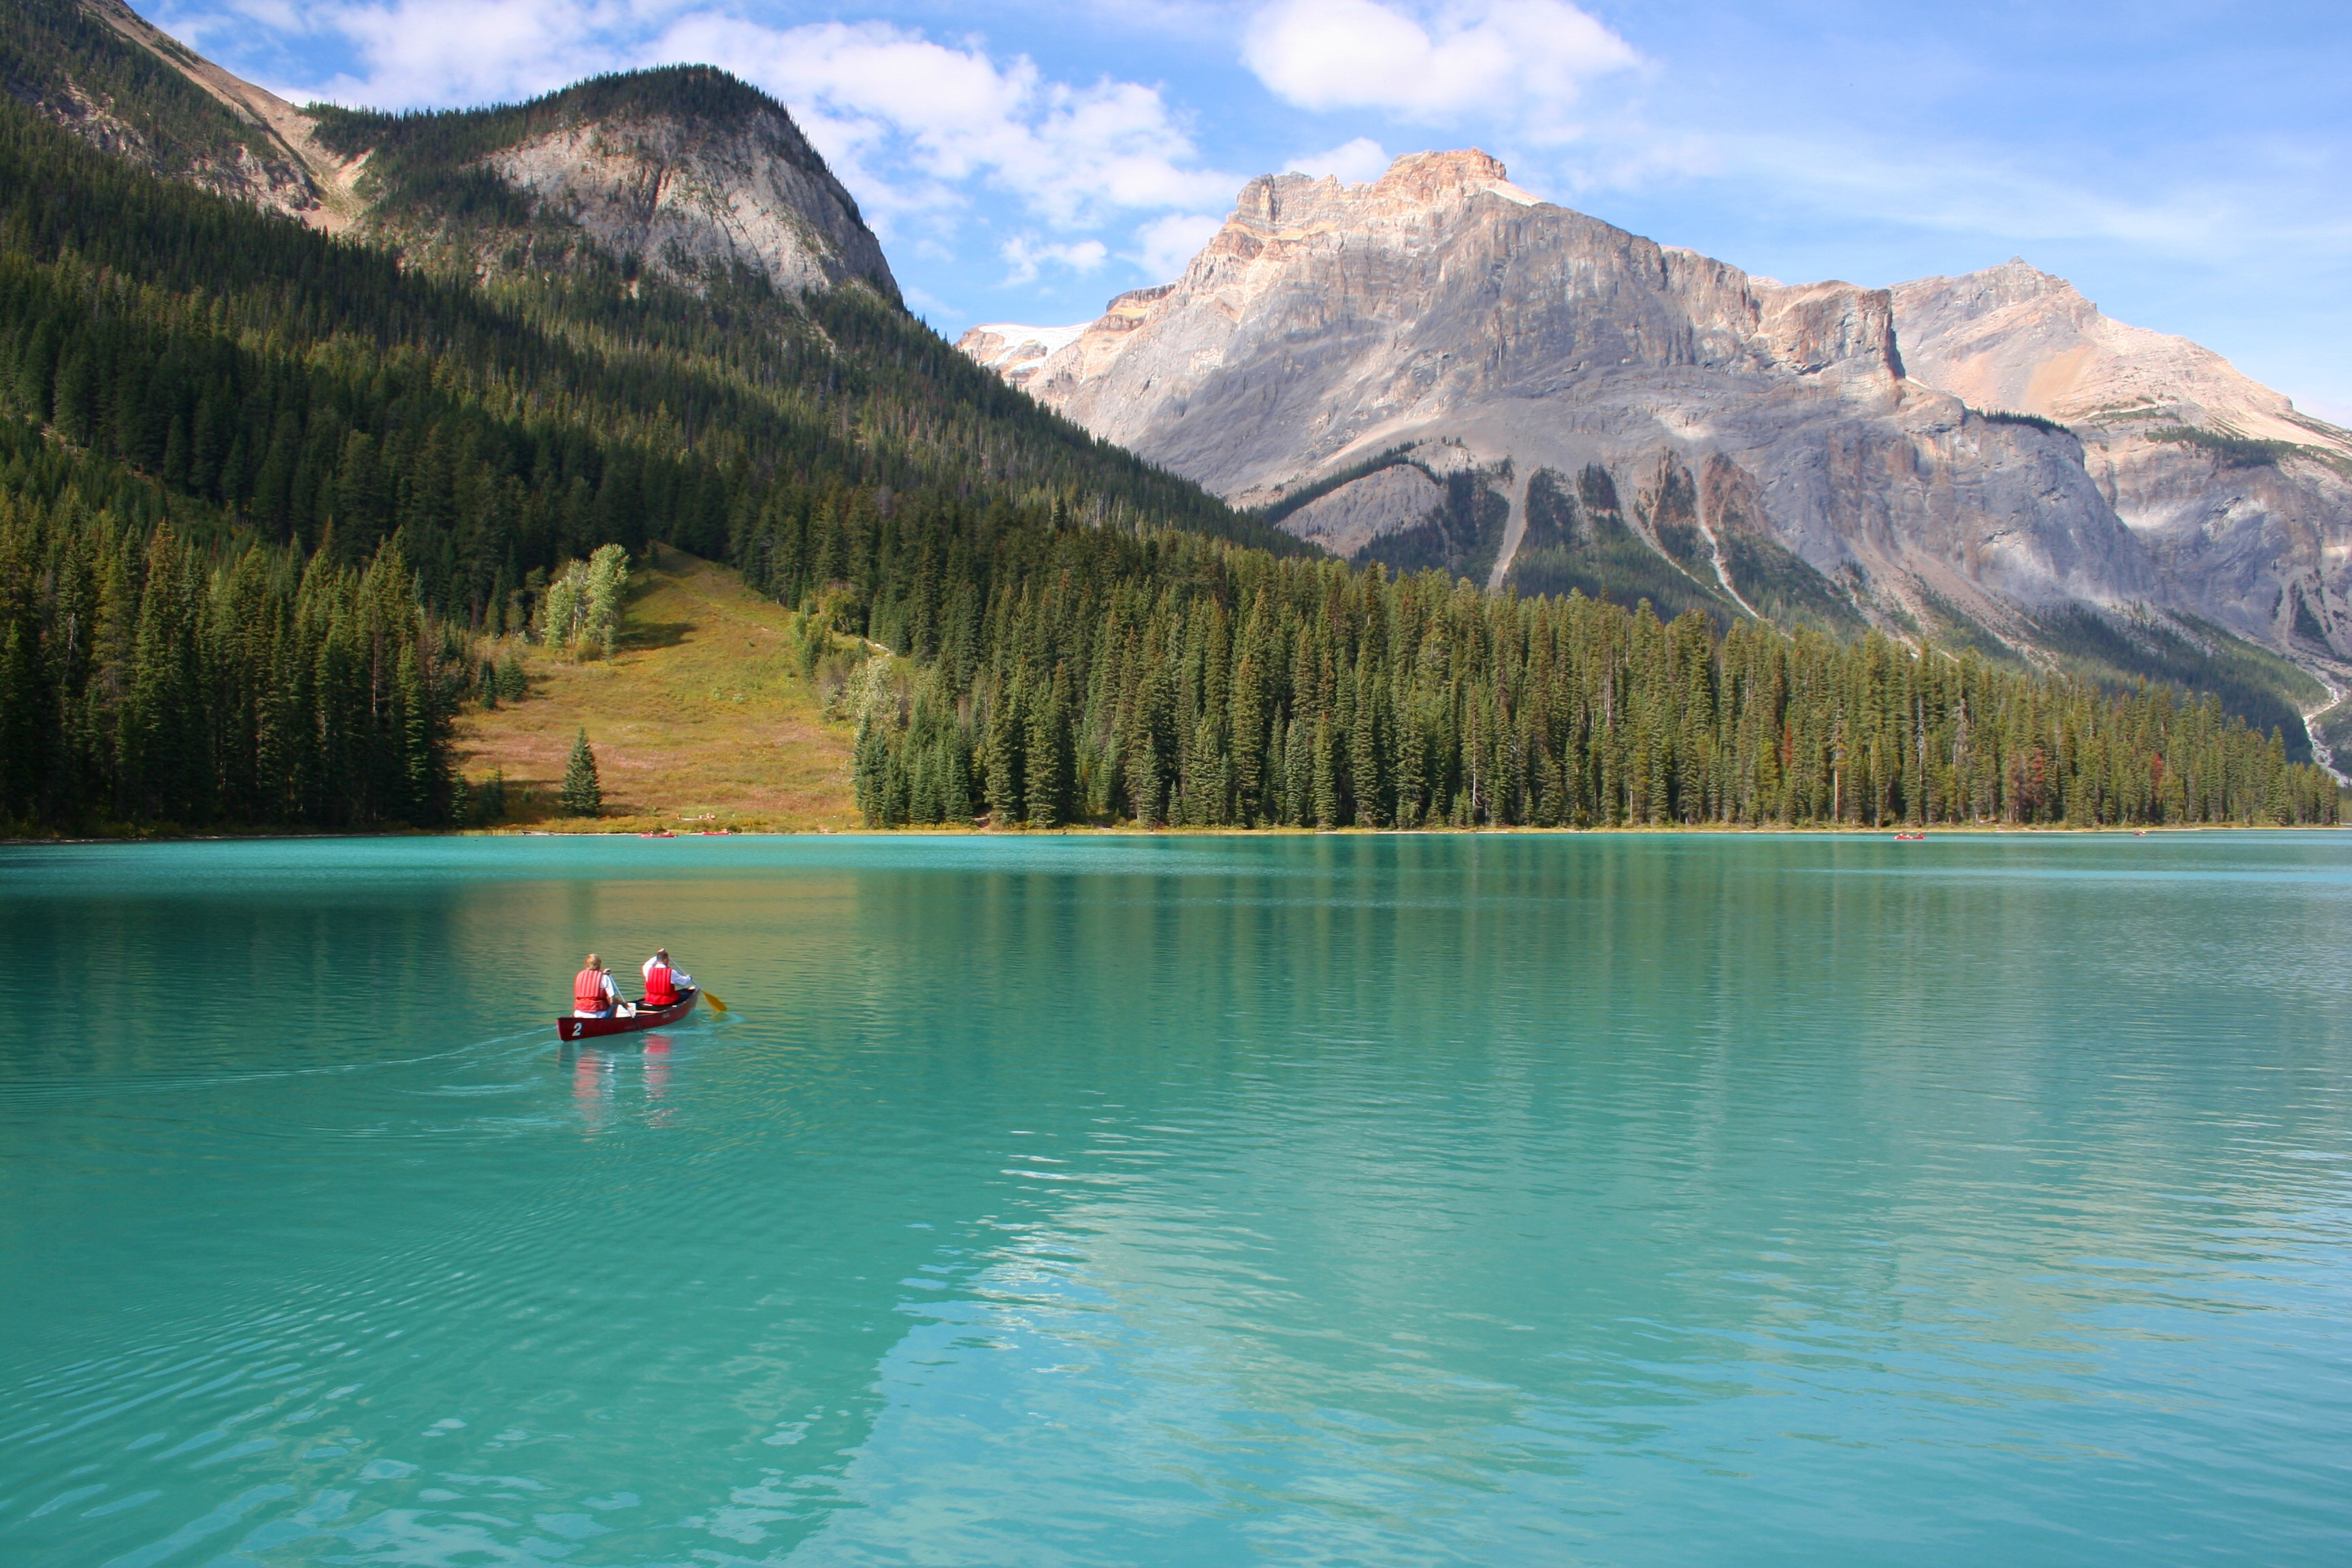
{"type": "Point", "coordinates": [2244, 503]}
{"type": "Point", "coordinates": [682, 195]}
{"type": "Point", "coordinates": [1386, 501]}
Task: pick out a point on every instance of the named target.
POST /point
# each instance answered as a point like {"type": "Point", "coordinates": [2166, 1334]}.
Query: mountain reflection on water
{"type": "Point", "coordinates": [1189, 1200]}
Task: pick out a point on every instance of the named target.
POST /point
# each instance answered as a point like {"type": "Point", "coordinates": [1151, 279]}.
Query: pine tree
{"type": "Point", "coordinates": [583, 794]}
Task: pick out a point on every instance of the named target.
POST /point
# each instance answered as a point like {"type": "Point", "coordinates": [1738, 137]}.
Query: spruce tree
{"type": "Point", "coordinates": [583, 794]}
{"type": "Point", "coordinates": [1051, 767]}
{"type": "Point", "coordinates": [1007, 732]}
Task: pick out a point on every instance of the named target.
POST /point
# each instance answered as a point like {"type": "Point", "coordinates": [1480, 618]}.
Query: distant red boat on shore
{"type": "Point", "coordinates": [1910, 837]}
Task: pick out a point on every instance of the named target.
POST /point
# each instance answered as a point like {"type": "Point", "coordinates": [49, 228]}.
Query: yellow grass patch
{"type": "Point", "coordinates": [700, 713]}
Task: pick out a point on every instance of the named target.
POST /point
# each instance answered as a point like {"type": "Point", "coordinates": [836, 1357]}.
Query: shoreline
{"type": "Point", "coordinates": [1089, 830]}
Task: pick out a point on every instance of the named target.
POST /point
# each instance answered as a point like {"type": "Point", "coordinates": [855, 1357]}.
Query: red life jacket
{"type": "Point", "coordinates": [660, 991]}
{"type": "Point", "coordinates": [588, 992]}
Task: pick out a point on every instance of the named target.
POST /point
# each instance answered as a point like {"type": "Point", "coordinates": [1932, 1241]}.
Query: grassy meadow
{"type": "Point", "coordinates": [701, 718]}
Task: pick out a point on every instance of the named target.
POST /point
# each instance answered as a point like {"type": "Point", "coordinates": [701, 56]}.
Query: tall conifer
{"type": "Point", "coordinates": [582, 794]}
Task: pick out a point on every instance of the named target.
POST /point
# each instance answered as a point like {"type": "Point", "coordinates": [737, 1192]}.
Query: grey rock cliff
{"type": "Point", "coordinates": [1326, 324]}
{"type": "Point", "coordinates": [2243, 503]}
{"type": "Point", "coordinates": [682, 195]}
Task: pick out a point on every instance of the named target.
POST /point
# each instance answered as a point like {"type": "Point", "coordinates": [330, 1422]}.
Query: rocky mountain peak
{"type": "Point", "coordinates": [684, 191]}
{"type": "Point", "coordinates": [681, 169]}
{"type": "Point", "coordinates": [2013, 291]}
{"type": "Point", "coordinates": [1428, 178]}
{"type": "Point", "coordinates": [1415, 184]}
{"type": "Point", "coordinates": [2243, 503]}
{"type": "Point", "coordinates": [2014, 282]}
{"type": "Point", "coordinates": [1417, 369]}
{"type": "Point", "coordinates": [2013, 337]}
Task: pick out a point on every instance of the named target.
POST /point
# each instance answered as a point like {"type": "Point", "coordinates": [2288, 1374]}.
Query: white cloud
{"type": "Point", "coordinates": [909, 119]}
{"type": "Point", "coordinates": [442, 53]}
{"type": "Point", "coordinates": [1525, 60]}
{"type": "Point", "coordinates": [1169, 244]}
{"type": "Point", "coordinates": [1354, 162]}
{"type": "Point", "coordinates": [1029, 256]}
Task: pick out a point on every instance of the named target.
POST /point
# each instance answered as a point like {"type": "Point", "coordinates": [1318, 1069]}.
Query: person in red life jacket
{"type": "Point", "coordinates": [662, 983]}
{"type": "Point", "coordinates": [593, 994]}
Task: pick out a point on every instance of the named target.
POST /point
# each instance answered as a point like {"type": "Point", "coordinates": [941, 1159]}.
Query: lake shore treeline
{"type": "Point", "coordinates": [1079, 675]}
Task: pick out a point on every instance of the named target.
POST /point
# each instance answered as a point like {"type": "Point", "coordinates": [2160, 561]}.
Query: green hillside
{"type": "Point", "coordinates": [59, 54]}
{"type": "Point", "coordinates": [303, 412]}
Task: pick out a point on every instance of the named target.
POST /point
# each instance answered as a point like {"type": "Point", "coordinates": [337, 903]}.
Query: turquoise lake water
{"type": "Point", "coordinates": [1640, 1199]}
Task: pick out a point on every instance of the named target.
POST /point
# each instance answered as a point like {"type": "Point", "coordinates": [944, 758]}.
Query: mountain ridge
{"type": "Point", "coordinates": [679, 169]}
{"type": "Point", "coordinates": [1829, 426]}
{"type": "Point", "coordinates": [310, 470]}
{"type": "Point", "coordinates": [2242, 501]}
{"type": "Point", "coordinates": [1326, 322]}
{"type": "Point", "coordinates": [161, 105]}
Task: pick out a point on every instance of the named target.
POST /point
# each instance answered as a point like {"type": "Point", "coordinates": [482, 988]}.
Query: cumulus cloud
{"type": "Point", "coordinates": [1525, 60]}
{"type": "Point", "coordinates": [1166, 245]}
{"type": "Point", "coordinates": [1029, 256]}
{"type": "Point", "coordinates": [911, 118]}
{"type": "Point", "coordinates": [1354, 162]}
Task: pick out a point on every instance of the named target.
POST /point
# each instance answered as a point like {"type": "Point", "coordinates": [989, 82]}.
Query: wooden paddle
{"type": "Point", "coordinates": [715, 1004]}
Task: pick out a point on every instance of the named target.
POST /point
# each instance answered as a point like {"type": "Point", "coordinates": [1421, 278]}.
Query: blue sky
{"type": "Point", "coordinates": [2189, 165]}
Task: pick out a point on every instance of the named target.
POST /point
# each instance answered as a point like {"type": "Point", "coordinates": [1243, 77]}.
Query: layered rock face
{"type": "Point", "coordinates": [1326, 326]}
{"type": "Point", "coordinates": [2244, 503]}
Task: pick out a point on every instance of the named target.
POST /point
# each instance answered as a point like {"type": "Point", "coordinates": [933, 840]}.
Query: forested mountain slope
{"type": "Point", "coordinates": [267, 494]}
{"type": "Point", "coordinates": [679, 170]}
{"type": "Point", "coordinates": [235, 413]}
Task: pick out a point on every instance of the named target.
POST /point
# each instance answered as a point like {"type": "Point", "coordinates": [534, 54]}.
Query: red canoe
{"type": "Point", "coordinates": [572, 1028]}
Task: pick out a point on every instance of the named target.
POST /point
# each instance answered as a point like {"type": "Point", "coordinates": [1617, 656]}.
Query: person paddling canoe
{"type": "Point", "coordinates": [663, 982]}
{"type": "Point", "coordinates": [593, 992]}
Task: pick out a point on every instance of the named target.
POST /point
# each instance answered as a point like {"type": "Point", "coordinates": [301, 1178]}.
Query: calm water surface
{"type": "Point", "coordinates": [1364, 1201]}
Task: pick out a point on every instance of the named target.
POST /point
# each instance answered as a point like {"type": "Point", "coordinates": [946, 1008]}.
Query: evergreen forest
{"type": "Point", "coordinates": [262, 492]}
{"type": "Point", "coordinates": [1055, 674]}
{"type": "Point", "coordinates": [260, 489]}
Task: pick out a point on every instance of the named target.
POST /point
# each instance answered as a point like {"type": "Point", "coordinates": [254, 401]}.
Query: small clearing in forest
{"type": "Point", "coordinates": [701, 718]}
